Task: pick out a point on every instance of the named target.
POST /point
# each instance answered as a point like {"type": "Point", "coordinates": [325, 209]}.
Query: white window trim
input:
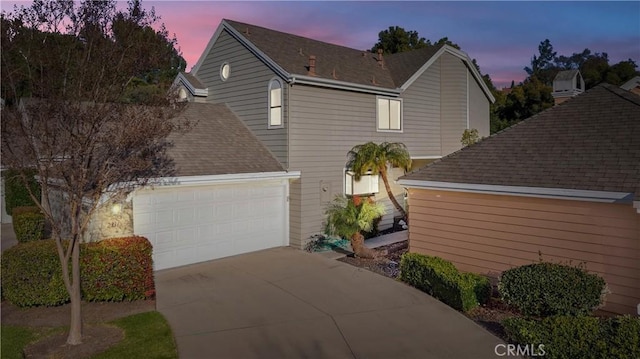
{"type": "Point", "coordinates": [378, 129]}
{"type": "Point", "coordinates": [348, 172]}
{"type": "Point", "coordinates": [269, 125]}
{"type": "Point", "coordinates": [221, 71]}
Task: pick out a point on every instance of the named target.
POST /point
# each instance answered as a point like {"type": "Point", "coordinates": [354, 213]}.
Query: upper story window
{"type": "Point", "coordinates": [225, 71]}
{"type": "Point", "coordinates": [389, 114]}
{"type": "Point", "coordinates": [275, 103]}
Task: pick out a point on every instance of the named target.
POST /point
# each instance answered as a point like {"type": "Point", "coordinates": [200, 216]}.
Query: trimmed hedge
{"type": "Point", "coordinates": [111, 270]}
{"type": "Point", "coordinates": [546, 289]}
{"type": "Point", "coordinates": [117, 269]}
{"type": "Point", "coordinates": [32, 275]}
{"type": "Point", "coordinates": [28, 223]}
{"type": "Point", "coordinates": [442, 280]}
{"type": "Point", "coordinates": [15, 191]}
{"type": "Point", "coordinates": [578, 337]}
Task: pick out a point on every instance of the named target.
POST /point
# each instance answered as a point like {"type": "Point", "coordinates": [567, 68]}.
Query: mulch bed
{"type": "Point", "coordinates": [387, 264]}
{"type": "Point", "coordinates": [97, 336]}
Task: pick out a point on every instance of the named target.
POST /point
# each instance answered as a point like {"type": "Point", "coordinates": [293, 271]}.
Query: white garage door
{"type": "Point", "coordinates": [187, 225]}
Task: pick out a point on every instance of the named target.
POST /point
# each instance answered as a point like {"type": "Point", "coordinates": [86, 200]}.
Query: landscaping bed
{"type": "Point", "coordinates": [488, 316]}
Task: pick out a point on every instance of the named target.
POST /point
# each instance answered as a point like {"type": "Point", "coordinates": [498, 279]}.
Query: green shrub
{"type": "Point", "coordinates": [545, 289]}
{"type": "Point", "coordinates": [117, 269]}
{"type": "Point", "coordinates": [112, 270]}
{"type": "Point", "coordinates": [482, 287]}
{"type": "Point", "coordinates": [578, 337]}
{"type": "Point", "coordinates": [442, 280]}
{"type": "Point", "coordinates": [15, 191]}
{"type": "Point", "coordinates": [32, 275]}
{"type": "Point", "coordinates": [28, 223]}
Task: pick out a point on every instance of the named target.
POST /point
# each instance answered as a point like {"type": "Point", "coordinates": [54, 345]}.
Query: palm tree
{"type": "Point", "coordinates": [375, 158]}
{"type": "Point", "coordinates": [347, 218]}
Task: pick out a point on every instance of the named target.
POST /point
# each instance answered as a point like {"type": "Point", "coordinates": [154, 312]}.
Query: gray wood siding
{"type": "Point", "coordinates": [478, 108]}
{"type": "Point", "coordinates": [453, 87]}
{"type": "Point", "coordinates": [422, 112]}
{"type": "Point", "coordinates": [488, 234]}
{"type": "Point", "coordinates": [245, 91]}
{"type": "Point", "coordinates": [325, 125]}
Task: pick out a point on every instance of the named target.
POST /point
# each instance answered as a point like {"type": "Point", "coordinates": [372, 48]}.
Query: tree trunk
{"type": "Point", "coordinates": [383, 174]}
{"type": "Point", "coordinates": [357, 243]}
{"type": "Point", "coordinates": [75, 328]}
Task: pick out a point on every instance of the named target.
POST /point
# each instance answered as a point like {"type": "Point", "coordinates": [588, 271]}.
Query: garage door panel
{"type": "Point", "coordinates": [164, 197]}
{"type": "Point", "coordinates": [185, 196]}
{"type": "Point", "coordinates": [184, 217]}
{"type": "Point", "coordinates": [164, 217]}
{"type": "Point", "coordinates": [189, 225]}
{"type": "Point", "coordinates": [204, 214]}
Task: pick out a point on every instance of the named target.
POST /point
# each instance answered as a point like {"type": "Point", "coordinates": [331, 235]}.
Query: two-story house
{"type": "Point", "coordinates": [309, 102]}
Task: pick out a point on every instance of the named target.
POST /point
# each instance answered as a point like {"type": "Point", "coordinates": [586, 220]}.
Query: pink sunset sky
{"type": "Point", "coordinates": [501, 36]}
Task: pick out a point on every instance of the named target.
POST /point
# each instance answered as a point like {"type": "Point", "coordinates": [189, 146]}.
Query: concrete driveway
{"type": "Point", "coordinates": [286, 303]}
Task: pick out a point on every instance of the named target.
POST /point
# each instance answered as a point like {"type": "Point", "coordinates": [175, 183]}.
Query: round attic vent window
{"type": "Point", "coordinates": [225, 71]}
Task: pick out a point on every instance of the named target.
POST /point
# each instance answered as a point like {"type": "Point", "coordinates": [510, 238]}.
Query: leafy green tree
{"type": "Point", "coordinates": [349, 217]}
{"type": "Point", "coordinates": [76, 131]}
{"type": "Point", "coordinates": [621, 72]}
{"type": "Point", "coordinates": [375, 158]}
{"type": "Point", "coordinates": [543, 66]}
{"type": "Point", "coordinates": [396, 39]}
{"type": "Point", "coordinates": [525, 100]}
{"type": "Point", "coordinates": [469, 137]}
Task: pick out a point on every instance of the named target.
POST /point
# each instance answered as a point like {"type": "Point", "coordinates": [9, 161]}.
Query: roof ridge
{"type": "Point", "coordinates": [624, 94]}
{"type": "Point", "coordinates": [294, 35]}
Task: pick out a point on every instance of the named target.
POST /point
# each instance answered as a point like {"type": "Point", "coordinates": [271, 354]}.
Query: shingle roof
{"type": "Point", "coordinates": [219, 143]}
{"type": "Point", "coordinates": [404, 64]}
{"type": "Point", "coordinates": [194, 81]}
{"type": "Point", "coordinates": [589, 142]}
{"type": "Point", "coordinates": [292, 53]}
{"type": "Point", "coordinates": [633, 83]}
{"type": "Point", "coordinates": [565, 75]}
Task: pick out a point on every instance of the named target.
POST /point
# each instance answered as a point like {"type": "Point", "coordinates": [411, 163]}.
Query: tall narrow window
{"type": "Point", "coordinates": [389, 114]}
{"type": "Point", "coordinates": [275, 104]}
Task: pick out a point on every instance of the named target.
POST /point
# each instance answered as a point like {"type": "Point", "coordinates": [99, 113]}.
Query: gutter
{"type": "Point", "coordinates": [540, 192]}
{"type": "Point", "coordinates": [342, 85]}
{"type": "Point", "coordinates": [225, 178]}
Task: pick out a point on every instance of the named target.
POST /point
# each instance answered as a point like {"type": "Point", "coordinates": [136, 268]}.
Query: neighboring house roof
{"type": "Point", "coordinates": [590, 142]}
{"type": "Point", "coordinates": [566, 75]}
{"type": "Point", "coordinates": [631, 84]}
{"type": "Point", "coordinates": [219, 143]}
{"type": "Point", "coordinates": [335, 65]}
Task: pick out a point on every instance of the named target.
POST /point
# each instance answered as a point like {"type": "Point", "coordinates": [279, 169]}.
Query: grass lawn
{"type": "Point", "coordinates": [15, 338]}
{"type": "Point", "coordinates": [147, 335]}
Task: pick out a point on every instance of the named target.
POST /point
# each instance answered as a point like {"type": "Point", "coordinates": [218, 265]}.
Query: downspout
{"type": "Point", "coordinates": [288, 125]}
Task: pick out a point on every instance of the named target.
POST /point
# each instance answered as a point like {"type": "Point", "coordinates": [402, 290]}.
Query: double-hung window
{"type": "Point", "coordinates": [275, 103]}
{"type": "Point", "coordinates": [389, 114]}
